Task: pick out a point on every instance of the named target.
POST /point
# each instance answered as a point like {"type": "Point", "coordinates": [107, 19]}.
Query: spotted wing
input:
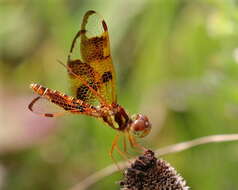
{"type": "Point", "coordinates": [95, 80]}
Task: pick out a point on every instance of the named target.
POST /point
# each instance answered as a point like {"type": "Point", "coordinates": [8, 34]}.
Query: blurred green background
{"type": "Point", "coordinates": [176, 61]}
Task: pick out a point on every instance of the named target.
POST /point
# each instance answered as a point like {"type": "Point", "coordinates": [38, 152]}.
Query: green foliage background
{"type": "Point", "coordinates": [176, 61]}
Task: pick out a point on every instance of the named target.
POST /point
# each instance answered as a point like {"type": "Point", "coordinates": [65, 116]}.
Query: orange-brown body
{"type": "Point", "coordinates": [93, 85]}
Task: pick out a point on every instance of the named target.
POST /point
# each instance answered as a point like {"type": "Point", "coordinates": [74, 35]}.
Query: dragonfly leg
{"type": "Point", "coordinates": [114, 144]}
{"type": "Point", "coordinates": [122, 153]}
{"type": "Point", "coordinates": [134, 144]}
{"type": "Point", "coordinates": [124, 144]}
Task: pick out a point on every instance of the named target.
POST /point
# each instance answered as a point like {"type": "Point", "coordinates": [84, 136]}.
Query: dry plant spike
{"type": "Point", "coordinates": [110, 169]}
{"type": "Point", "coordinates": [149, 173]}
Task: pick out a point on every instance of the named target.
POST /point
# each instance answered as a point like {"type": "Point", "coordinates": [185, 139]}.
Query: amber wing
{"type": "Point", "coordinates": [95, 80]}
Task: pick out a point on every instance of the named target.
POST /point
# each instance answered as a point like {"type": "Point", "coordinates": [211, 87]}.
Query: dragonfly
{"type": "Point", "coordinates": [93, 84]}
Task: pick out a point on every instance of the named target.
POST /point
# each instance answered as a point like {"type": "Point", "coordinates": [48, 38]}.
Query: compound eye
{"type": "Point", "coordinates": [140, 127]}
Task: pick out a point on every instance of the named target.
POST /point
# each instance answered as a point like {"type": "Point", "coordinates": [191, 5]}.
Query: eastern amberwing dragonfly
{"type": "Point", "coordinates": [93, 85]}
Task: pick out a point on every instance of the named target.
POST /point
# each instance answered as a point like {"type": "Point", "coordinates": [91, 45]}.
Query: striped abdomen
{"type": "Point", "coordinates": [68, 103]}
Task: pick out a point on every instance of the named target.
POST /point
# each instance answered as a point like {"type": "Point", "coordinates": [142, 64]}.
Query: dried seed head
{"type": "Point", "coordinates": [148, 173]}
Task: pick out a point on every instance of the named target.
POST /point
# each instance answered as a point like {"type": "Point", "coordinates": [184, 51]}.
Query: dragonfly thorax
{"type": "Point", "coordinates": [138, 125]}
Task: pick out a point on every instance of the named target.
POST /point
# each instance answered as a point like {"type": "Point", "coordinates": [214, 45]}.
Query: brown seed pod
{"type": "Point", "coordinates": [149, 173]}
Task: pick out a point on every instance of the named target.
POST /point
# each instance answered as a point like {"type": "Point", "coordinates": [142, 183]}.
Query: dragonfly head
{"type": "Point", "coordinates": [140, 126]}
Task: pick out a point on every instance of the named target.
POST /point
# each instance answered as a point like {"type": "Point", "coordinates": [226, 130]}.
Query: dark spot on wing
{"type": "Point", "coordinates": [107, 76]}
{"type": "Point", "coordinates": [82, 92]}
{"type": "Point", "coordinates": [79, 68]}
{"type": "Point", "coordinates": [93, 48]}
{"type": "Point", "coordinates": [94, 85]}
